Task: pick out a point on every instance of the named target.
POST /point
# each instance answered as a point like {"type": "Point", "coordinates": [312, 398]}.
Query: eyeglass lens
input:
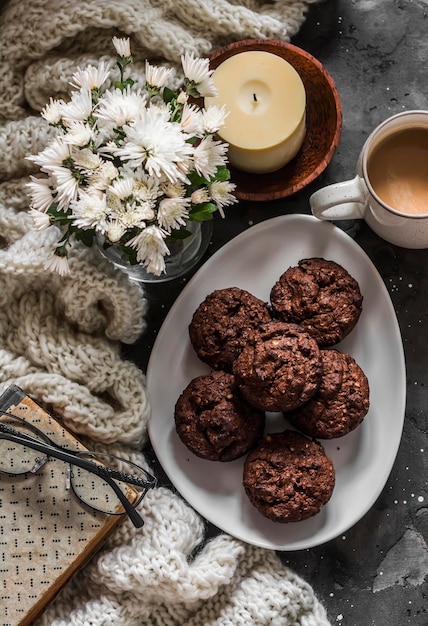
{"type": "Point", "coordinates": [90, 488]}
{"type": "Point", "coordinates": [96, 492]}
{"type": "Point", "coordinates": [14, 457]}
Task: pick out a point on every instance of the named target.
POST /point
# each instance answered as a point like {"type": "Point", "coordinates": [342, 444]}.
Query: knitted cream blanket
{"type": "Point", "coordinates": [60, 338]}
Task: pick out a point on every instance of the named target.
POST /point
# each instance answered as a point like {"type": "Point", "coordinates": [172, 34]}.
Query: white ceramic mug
{"type": "Point", "coordinates": [391, 196]}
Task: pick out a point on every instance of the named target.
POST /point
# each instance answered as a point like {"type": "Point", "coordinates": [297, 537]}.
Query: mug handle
{"type": "Point", "coordinates": [340, 201]}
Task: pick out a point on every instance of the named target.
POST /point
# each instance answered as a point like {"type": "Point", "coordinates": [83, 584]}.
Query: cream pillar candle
{"type": "Point", "coordinates": [266, 101]}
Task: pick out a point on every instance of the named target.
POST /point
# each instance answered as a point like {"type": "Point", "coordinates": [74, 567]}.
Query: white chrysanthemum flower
{"type": "Point", "coordinates": [53, 155]}
{"type": "Point", "coordinates": [182, 97]}
{"type": "Point", "coordinates": [155, 143]}
{"type": "Point", "coordinates": [157, 76]}
{"type": "Point", "coordinates": [91, 77]}
{"type": "Point", "coordinates": [122, 188]}
{"type": "Point", "coordinates": [128, 218]}
{"type": "Point", "coordinates": [78, 133]}
{"type": "Point", "coordinates": [113, 202]}
{"type": "Point", "coordinates": [151, 249]}
{"type": "Point", "coordinates": [207, 88]}
{"type": "Point", "coordinates": [87, 160]}
{"type": "Point", "coordinates": [40, 193]}
{"type": "Point", "coordinates": [196, 70]}
{"type": "Point", "coordinates": [191, 120]}
{"type": "Point", "coordinates": [131, 214]}
{"type": "Point", "coordinates": [57, 264]}
{"type": "Point", "coordinates": [122, 46]}
{"type": "Point", "coordinates": [146, 188]}
{"type": "Point", "coordinates": [174, 190]}
{"type": "Point", "coordinates": [89, 211]}
{"type": "Point", "coordinates": [173, 212]}
{"type": "Point", "coordinates": [185, 166]}
{"type": "Point", "coordinates": [79, 107]}
{"type": "Point", "coordinates": [221, 193]}
{"type": "Point", "coordinates": [213, 118]}
{"type": "Point", "coordinates": [121, 107]}
{"type": "Point", "coordinates": [208, 155]}
{"type": "Point", "coordinates": [102, 177]}
{"type": "Point", "coordinates": [52, 112]}
{"type": "Point", "coordinates": [105, 132]}
{"type": "Point", "coordinates": [41, 220]}
{"type": "Point", "coordinates": [66, 186]}
{"type": "Point", "coordinates": [199, 196]}
{"type": "Point", "coordinates": [143, 211]}
{"type": "Point", "coordinates": [114, 231]}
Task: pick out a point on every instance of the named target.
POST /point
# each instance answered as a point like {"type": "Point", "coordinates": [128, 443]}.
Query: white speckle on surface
{"type": "Point", "coordinates": [339, 618]}
{"type": "Point", "coordinates": [420, 498]}
{"type": "Point", "coordinates": [250, 222]}
{"type": "Point", "coordinates": [410, 285]}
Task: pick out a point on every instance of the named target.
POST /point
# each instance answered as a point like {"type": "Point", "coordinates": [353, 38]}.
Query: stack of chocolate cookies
{"type": "Point", "coordinates": [277, 357]}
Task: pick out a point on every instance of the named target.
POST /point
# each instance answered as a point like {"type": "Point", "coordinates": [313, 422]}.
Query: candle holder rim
{"type": "Point", "coordinates": [289, 180]}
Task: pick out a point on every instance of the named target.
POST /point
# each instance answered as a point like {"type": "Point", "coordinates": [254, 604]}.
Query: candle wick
{"type": "Point", "coordinates": [254, 97]}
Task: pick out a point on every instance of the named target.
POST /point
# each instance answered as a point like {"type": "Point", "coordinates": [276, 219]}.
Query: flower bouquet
{"type": "Point", "coordinates": [131, 165]}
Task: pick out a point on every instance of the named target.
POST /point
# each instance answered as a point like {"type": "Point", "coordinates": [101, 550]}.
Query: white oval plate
{"type": "Point", "coordinates": [363, 459]}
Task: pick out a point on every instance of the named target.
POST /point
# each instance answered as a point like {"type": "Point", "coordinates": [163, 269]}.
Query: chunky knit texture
{"type": "Point", "coordinates": [60, 338]}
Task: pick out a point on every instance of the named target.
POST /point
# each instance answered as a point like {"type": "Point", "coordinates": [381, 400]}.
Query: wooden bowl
{"type": "Point", "coordinates": [323, 123]}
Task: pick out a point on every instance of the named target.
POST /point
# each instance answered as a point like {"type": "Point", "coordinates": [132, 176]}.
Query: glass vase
{"type": "Point", "coordinates": [185, 253]}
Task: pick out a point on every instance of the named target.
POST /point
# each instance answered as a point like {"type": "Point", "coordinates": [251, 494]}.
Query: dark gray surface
{"type": "Point", "coordinates": [377, 52]}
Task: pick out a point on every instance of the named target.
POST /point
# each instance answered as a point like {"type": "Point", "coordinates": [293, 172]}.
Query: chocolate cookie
{"type": "Point", "coordinates": [214, 421]}
{"type": "Point", "coordinates": [321, 296]}
{"type": "Point", "coordinates": [341, 401]}
{"type": "Point", "coordinates": [288, 477]}
{"type": "Point", "coordinates": [219, 325]}
{"type": "Point", "coordinates": [280, 367]}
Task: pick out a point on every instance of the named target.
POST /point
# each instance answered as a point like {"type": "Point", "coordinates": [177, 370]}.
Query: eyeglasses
{"type": "Point", "coordinates": [94, 483]}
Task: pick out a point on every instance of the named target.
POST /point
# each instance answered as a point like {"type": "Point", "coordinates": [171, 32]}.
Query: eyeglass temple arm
{"type": "Point", "coordinates": [113, 473]}
{"type": "Point", "coordinates": [134, 480]}
{"type": "Point", "coordinates": [69, 457]}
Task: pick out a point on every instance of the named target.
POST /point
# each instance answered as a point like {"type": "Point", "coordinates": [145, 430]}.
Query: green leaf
{"type": "Point", "coordinates": [85, 236]}
{"type": "Point", "coordinates": [179, 234]}
{"type": "Point", "coordinates": [123, 84]}
{"type": "Point", "coordinates": [58, 216]}
{"type": "Point", "coordinates": [168, 94]}
{"type": "Point", "coordinates": [202, 212]}
{"type": "Point", "coordinates": [131, 254]}
{"type": "Point", "coordinates": [196, 180]}
{"type": "Point", "coordinates": [222, 174]}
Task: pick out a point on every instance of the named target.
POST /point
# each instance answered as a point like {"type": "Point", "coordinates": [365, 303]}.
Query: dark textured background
{"type": "Point", "coordinates": [376, 52]}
